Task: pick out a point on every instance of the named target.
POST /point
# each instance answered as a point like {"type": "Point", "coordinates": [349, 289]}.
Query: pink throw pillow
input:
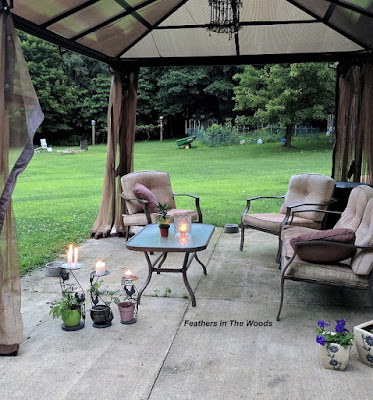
{"type": "Point", "coordinates": [142, 192]}
{"type": "Point", "coordinates": [328, 254]}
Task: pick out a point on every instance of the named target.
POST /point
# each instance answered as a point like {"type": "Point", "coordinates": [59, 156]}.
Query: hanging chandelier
{"type": "Point", "coordinates": [225, 16]}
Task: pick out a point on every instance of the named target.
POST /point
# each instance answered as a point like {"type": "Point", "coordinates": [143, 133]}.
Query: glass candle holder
{"type": "Point", "coordinates": [182, 224]}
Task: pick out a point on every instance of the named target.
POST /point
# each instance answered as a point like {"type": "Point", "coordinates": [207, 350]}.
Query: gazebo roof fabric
{"type": "Point", "coordinates": [175, 31]}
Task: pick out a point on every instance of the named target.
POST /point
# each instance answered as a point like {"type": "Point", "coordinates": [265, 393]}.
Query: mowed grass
{"type": "Point", "coordinates": [57, 197]}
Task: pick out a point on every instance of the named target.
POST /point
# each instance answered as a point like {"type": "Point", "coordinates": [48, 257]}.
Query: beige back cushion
{"type": "Point", "coordinates": [354, 211]}
{"type": "Point", "coordinates": [156, 181]}
{"type": "Point", "coordinates": [309, 188]}
{"type": "Point", "coordinates": [362, 263]}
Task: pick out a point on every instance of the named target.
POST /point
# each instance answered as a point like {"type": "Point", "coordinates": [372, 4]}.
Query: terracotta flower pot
{"type": "Point", "coordinates": [126, 311]}
{"type": "Point", "coordinates": [164, 230]}
{"type": "Point", "coordinates": [364, 342]}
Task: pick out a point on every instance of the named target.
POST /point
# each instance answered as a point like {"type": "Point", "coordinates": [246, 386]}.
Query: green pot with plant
{"type": "Point", "coordinates": [364, 342]}
{"type": "Point", "coordinates": [69, 309]}
{"type": "Point", "coordinates": [163, 219]}
{"type": "Point", "coordinates": [335, 346]}
{"type": "Point", "coordinates": [100, 312]}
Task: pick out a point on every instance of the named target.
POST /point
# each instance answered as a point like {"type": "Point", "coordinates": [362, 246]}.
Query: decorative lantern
{"type": "Point", "coordinates": [182, 224]}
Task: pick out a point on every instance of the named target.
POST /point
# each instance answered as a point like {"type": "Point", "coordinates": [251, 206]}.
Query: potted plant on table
{"type": "Point", "coordinates": [69, 308]}
{"type": "Point", "coordinates": [163, 219]}
{"type": "Point", "coordinates": [364, 342]}
{"type": "Point", "coordinates": [335, 346]}
{"type": "Point", "coordinates": [101, 313]}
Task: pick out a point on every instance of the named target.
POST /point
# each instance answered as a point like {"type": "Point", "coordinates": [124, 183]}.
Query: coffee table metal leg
{"type": "Point", "coordinates": [164, 256]}
{"type": "Point", "coordinates": [185, 278]}
{"type": "Point", "coordinates": [150, 271]}
{"type": "Point", "coordinates": [203, 266]}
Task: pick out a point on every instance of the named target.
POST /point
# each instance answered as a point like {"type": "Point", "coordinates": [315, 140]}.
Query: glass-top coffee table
{"type": "Point", "coordinates": [149, 240]}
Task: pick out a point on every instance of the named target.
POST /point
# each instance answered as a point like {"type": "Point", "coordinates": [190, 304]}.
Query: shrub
{"type": "Point", "coordinates": [218, 135]}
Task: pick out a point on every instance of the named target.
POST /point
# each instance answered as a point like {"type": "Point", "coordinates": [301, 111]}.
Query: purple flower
{"type": "Point", "coordinates": [369, 357]}
{"type": "Point", "coordinates": [322, 323]}
{"type": "Point", "coordinates": [334, 363]}
{"type": "Point", "coordinates": [333, 349]}
{"type": "Point", "coordinates": [341, 321]}
{"type": "Point", "coordinates": [369, 340]}
{"type": "Point", "coordinates": [321, 340]}
{"type": "Point", "coordinates": [340, 328]}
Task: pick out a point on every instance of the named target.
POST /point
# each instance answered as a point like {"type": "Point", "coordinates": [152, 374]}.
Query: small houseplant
{"type": "Point", "coordinates": [101, 314]}
{"type": "Point", "coordinates": [163, 219]}
{"type": "Point", "coordinates": [335, 346]}
{"type": "Point", "coordinates": [364, 342]}
{"type": "Point", "coordinates": [69, 308]}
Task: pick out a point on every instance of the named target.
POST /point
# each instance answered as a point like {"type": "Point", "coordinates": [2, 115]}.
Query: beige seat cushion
{"type": "Point", "coordinates": [339, 274]}
{"type": "Point", "coordinates": [354, 211]}
{"type": "Point", "coordinates": [362, 263]}
{"type": "Point", "coordinates": [272, 222]}
{"type": "Point", "coordinates": [309, 188]}
{"type": "Point", "coordinates": [156, 181]}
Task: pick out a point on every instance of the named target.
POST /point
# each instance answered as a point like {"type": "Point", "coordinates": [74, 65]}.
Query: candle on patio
{"type": "Point", "coordinates": [70, 255]}
{"type": "Point", "coordinates": [100, 268]}
{"type": "Point", "coordinates": [76, 256]}
{"type": "Point", "coordinates": [128, 274]}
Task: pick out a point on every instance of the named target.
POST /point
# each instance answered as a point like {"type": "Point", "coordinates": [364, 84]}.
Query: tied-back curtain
{"type": "Point", "coordinates": [20, 116]}
{"type": "Point", "coordinates": [121, 138]}
{"type": "Point", "coordinates": [353, 151]}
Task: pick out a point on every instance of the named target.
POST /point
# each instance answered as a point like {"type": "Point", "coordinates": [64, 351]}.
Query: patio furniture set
{"type": "Point", "coordinates": [342, 256]}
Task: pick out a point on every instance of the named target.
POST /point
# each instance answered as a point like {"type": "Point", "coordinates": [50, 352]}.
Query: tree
{"type": "Point", "coordinates": [286, 94]}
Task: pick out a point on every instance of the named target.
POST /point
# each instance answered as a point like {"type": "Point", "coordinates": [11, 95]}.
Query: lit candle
{"type": "Point", "coordinates": [70, 255]}
{"type": "Point", "coordinates": [128, 274]}
{"type": "Point", "coordinates": [183, 228]}
{"type": "Point", "coordinates": [183, 240]}
{"type": "Point", "coordinates": [100, 268]}
{"type": "Point", "coordinates": [75, 255]}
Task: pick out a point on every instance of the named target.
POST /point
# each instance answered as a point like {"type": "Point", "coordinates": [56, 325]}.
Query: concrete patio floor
{"type": "Point", "coordinates": [165, 356]}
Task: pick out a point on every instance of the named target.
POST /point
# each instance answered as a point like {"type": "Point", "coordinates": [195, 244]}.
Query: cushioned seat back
{"type": "Point", "coordinates": [156, 181]}
{"type": "Point", "coordinates": [362, 263]}
{"type": "Point", "coordinates": [309, 188]}
{"type": "Point", "coordinates": [357, 201]}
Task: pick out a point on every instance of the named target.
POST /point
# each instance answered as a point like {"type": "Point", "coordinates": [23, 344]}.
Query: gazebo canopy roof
{"type": "Point", "coordinates": [170, 32]}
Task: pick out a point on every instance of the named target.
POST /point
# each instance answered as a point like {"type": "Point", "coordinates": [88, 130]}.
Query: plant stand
{"type": "Point", "coordinates": [128, 315]}
{"type": "Point", "coordinates": [76, 288]}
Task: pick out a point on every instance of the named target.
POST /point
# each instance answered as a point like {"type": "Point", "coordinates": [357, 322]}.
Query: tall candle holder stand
{"type": "Point", "coordinates": [128, 308]}
{"type": "Point", "coordinates": [100, 311]}
{"type": "Point", "coordinates": [74, 288]}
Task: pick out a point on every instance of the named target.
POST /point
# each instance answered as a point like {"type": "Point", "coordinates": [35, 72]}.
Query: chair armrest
{"type": "Point", "coordinates": [290, 211]}
{"type": "Point", "coordinates": [142, 201]}
{"type": "Point", "coordinates": [248, 200]}
{"type": "Point", "coordinates": [196, 198]}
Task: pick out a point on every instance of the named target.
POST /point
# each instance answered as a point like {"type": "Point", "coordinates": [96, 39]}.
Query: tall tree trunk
{"type": "Point", "coordinates": [289, 129]}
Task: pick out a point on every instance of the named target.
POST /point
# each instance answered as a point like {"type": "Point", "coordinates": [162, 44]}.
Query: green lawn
{"type": "Point", "coordinates": [57, 198]}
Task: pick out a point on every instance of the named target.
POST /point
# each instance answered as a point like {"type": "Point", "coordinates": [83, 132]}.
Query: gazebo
{"type": "Point", "coordinates": [130, 34]}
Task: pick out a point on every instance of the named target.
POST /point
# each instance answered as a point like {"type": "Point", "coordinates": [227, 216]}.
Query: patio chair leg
{"type": "Point", "coordinates": [279, 252]}
{"type": "Point", "coordinates": [126, 233]}
{"type": "Point", "coordinates": [242, 236]}
{"type": "Point", "coordinates": [282, 298]}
